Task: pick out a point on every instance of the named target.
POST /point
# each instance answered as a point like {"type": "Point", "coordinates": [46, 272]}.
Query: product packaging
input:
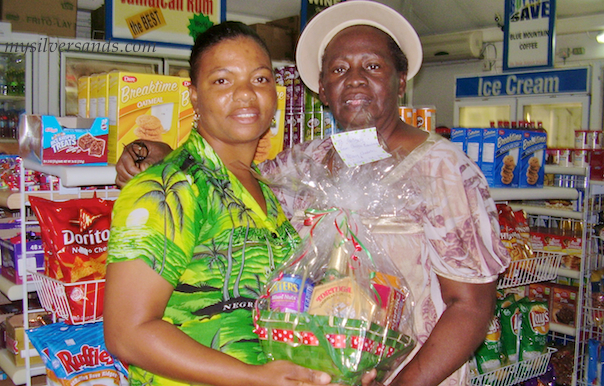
{"type": "Point", "coordinates": [339, 304]}
{"type": "Point", "coordinates": [64, 140]}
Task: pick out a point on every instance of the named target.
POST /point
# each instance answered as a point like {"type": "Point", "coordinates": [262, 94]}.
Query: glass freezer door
{"type": "Point", "coordinates": [479, 113]}
{"type": "Point", "coordinates": [561, 116]}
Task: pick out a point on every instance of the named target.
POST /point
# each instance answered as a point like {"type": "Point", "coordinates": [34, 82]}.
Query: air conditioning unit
{"type": "Point", "coordinates": [453, 46]}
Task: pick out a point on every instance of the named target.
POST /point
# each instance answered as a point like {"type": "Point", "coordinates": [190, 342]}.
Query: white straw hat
{"type": "Point", "coordinates": [327, 23]}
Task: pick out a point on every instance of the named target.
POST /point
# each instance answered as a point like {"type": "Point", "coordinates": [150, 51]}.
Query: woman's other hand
{"type": "Point", "coordinates": [286, 373]}
{"type": "Point", "coordinates": [138, 156]}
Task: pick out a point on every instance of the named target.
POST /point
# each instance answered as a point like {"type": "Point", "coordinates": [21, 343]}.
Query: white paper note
{"type": "Point", "coordinates": [359, 147]}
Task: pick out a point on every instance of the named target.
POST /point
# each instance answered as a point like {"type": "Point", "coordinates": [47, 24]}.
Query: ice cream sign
{"type": "Point", "coordinates": [547, 82]}
{"type": "Point", "coordinates": [528, 34]}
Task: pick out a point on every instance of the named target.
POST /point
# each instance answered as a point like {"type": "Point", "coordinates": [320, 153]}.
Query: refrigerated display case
{"type": "Point", "coordinates": [562, 109]}
{"type": "Point", "coordinates": [15, 88]}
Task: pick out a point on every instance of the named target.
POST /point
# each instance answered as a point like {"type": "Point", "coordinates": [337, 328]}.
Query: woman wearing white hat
{"type": "Point", "coordinates": [358, 56]}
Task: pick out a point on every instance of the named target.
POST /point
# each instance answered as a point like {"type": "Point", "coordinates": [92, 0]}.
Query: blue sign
{"type": "Point", "coordinates": [547, 82]}
{"type": "Point", "coordinates": [528, 40]}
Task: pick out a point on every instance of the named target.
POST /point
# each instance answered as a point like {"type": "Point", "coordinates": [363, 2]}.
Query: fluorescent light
{"type": "Point", "coordinates": [600, 38]}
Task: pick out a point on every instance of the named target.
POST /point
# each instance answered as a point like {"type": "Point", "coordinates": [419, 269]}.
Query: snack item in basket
{"type": "Point", "coordinates": [534, 330]}
{"type": "Point", "coordinates": [510, 319]}
{"type": "Point", "coordinates": [490, 355]}
{"type": "Point", "coordinates": [289, 294]}
{"type": "Point", "coordinates": [77, 356]}
{"type": "Point", "coordinates": [74, 236]}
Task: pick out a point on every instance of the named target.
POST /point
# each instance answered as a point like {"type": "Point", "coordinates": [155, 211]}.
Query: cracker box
{"type": "Point", "coordinates": [13, 263]}
{"type": "Point", "coordinates": [186, 113]}
{"type": "Point", "coordinates": [142, 106]}
{"type": "Point", "coordinates": [83, 96]}
{"type": "Point", "coordinates": [459, 137]}
{"type": "Point", "coordinates": [474, 145]}
{"type": "Point", "coordinates": [500, 157]}
{"type": "Point", "coordinates": [64, 140]}
{"type": "Point", "coordinates": [532, 159]}
{"type": "Point", "coordinates": [540, 292]}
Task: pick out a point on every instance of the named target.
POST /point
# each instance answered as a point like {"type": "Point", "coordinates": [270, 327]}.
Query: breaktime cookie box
{"type": "Point", "coordinates": [532, 159]}
{"type": "Point", "coordinates": [142, 106]}
{"type": "Point", "coordinates": [501, 156]}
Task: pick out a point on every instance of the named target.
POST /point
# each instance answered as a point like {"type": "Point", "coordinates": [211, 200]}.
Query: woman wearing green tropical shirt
{"type": "Point", "coordinates": [194, 237]}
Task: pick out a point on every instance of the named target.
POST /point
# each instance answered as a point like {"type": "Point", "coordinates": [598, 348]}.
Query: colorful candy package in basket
{"type": "Point", "coordinates": [77, 356]}
{"type": "Point", "coordinates": [74, 236]}
{"type": "Point", "coordinates": [338, 304]}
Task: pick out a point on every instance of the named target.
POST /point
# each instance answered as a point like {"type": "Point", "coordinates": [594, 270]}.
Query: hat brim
{"type": "Point", "coordinates": [327, 23]}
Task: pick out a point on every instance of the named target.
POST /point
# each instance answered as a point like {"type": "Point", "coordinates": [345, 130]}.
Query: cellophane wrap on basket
{"type": "Point", "coordinates": [339, 304]}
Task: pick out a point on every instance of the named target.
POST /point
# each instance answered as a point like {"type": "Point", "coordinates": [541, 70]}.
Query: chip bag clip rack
{"type": "Point", "coordinates": [348, 309]}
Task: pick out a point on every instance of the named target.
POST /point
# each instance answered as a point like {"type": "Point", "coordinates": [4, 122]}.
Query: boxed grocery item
{"type": "Point", "coordinates": [500, 157]}
{"type": "Point", "coordinates": [532, 159]}
{"type": "Point", "coordinates": [540, 291]}
{"type": "Point", "coordinates": [83, 96]}
{"type": "Point", "coordinates": [47, 17]}
{"type": "Point", "coordinates": [474, 145]}
{"type": "Point", "coordinates": [142, 106]}
{"type": "Point", "coordinates": [459, 137]}
{"type": "Point", "coordinates": [14, 337]}
{"type": "Point", "coordinates": [64, 140]}
{"type": "Point", "coordinates": [564, 305]}
{"type": "Point", "coordinates": [13, 261]}
{"type": "Point", "coordinates": [102, 95]}
{"type": "Point", "coordinates": [186, 113]}
{"type": "Point", "coordinates": [280, 40]}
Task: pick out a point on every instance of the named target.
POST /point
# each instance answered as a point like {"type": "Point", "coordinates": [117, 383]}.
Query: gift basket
{"type": "Point", "coordinates": [338, 304]}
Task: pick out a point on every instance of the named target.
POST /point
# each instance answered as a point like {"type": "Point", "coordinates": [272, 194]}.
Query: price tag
{"type": "Point", "coordinates": [359, 147]}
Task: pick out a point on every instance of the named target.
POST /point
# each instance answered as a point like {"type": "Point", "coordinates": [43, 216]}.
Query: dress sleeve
{"type": "Point", "coordinates": [154, 219]}
{"type": "Point", "coordinates": [461, 221]}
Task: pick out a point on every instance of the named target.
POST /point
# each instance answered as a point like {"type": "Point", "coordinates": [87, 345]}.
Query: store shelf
{"type": "Point", "coordinates": [516, 372]}
{"type": "Point", "coordinates": [570, 273]}
{"type": "Point", "coordinates": [566, 170]}
{"type": "Point", "coordinates": [75, 175]}
{"type": "Point", "coordinates": [12, 199]}
{"type": "Point", "coordinates": [18, 374]}
{"type": "Point", "coordinates": [544, 211]}
{"type": "Point", "coordinates": [11, 290]}
{"type": "Point", "coordinates": [545, 193]}
{"type": "Point", "coordinates": [562, 329]}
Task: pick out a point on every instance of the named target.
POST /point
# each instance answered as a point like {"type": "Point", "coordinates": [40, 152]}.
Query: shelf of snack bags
{"type": "Point", "coordinates": [515, 373]}
{"type": "Point", "coordinates": [76, 221]}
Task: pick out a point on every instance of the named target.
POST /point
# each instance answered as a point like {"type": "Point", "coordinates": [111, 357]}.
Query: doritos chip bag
{"type": "Point", "coordinates": [74, 236]}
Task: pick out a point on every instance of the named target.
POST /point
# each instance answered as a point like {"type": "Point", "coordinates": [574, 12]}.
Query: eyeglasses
{"type": "Point", "coordinates": [138, 151]}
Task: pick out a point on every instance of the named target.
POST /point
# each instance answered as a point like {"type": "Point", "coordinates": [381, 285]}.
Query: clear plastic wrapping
{"type": "Point", "coordinates": [339, 304]}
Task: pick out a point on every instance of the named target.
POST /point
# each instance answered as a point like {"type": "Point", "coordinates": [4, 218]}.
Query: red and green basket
{"type": "Point", "coordinates": [343, 348]}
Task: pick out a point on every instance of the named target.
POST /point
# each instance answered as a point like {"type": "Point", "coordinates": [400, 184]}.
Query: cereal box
{"type": "Point", "coordinates": [83, 96]}
{"type": "Point", "coordinates": [142, 106]}
{"type": "Point", "coordinates": [64, 140]}
{"type": "Point", "coordinates": [532, 159]}
{"type": "Point", "coordinates": [500, 157]}
{"type": "Point", "coordinates": [186, 113]}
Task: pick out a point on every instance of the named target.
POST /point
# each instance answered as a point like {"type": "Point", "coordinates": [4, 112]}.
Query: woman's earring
{"type": "Point", "coordinates": [195, 121]}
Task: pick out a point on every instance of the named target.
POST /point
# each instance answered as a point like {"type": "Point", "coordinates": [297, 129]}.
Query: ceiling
{"type": "Point", "coordinates": [429, 17]}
